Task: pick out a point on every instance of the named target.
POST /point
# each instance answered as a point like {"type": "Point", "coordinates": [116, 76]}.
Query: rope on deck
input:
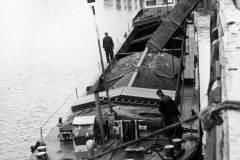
{"type": "Point", "coordinates": [210, 117]}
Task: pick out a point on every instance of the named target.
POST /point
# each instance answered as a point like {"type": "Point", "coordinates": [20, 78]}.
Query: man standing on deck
{"type": "Point", "coordinates": [108, 47]}
{"type": "Point", "coordinates": [170, 114]}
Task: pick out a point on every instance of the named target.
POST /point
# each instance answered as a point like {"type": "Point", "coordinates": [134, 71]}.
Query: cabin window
{"type": "Point", "coordinates": [158, 2]}
{"type": "Point", "coordinates": [150, 2]}
{"type": "Point", "coordinates": [83, 130]}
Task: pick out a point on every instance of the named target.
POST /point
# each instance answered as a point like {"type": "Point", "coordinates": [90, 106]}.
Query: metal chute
{"type": "Point", "coordinates": [170, 24]}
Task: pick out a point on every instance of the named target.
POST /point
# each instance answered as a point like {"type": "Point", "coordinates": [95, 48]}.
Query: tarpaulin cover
{"type": "Point", "coordinates": [166, 65]}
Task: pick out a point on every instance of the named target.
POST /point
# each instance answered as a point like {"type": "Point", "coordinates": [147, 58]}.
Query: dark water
{"type": "Point", "coordinates": [47, 49]}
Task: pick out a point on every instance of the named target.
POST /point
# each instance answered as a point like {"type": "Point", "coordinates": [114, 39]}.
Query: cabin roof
{"type": "Point", "coordinates": [128, 91]}
{"type": "Point", "coordinates": [84, 120]}
{"type": "Point", "coordinates": [123, 92]}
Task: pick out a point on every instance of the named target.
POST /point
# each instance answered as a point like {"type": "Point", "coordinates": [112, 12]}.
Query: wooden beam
{"type": "Point", "coordinates": [138, 65]}
{"type": "Point", "coordinates": [148, 27]}
{"type": "Point", "coordinates": [144, 38]}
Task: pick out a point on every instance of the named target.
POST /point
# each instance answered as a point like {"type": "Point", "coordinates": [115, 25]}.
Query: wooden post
{"type": "Point", "coordinates": [41, 134]}
{"type": "Point", "coordinates": [76, 92]}
{"type": "Point", "coordinates": [98, 40]}
{"type": "Point", "coordinates": [108, 98]}
{"type": "Point", "coordinates": [99, 115]}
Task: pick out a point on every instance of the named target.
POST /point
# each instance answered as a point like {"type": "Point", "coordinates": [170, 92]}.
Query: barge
{"type": "Point", "coordinates": [118, 117]}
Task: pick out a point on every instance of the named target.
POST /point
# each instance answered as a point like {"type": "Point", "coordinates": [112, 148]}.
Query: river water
{"type": "Point", "coordinates": [48, 48]}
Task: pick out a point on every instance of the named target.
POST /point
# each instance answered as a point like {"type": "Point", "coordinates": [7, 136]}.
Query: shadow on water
{"type": "Point", "coordinates": [108, 4]}
{"type": "Point", "coordinates": [118, 4]}
{"type": "Point", "coordinates": [129, 5]}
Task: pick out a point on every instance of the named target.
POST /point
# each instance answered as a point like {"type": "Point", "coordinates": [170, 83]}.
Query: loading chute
{"type": "Point", "coordinates": [170, 24]}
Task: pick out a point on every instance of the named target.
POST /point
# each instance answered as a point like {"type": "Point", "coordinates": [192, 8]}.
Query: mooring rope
{"type": "Point", "coordinates": [67, 99]}
{"type": "Point", "coordinates": [209, 117]}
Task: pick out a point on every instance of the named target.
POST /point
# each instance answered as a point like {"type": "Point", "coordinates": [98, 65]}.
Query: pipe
{"type": "Point", "coordinates": [99, 115]}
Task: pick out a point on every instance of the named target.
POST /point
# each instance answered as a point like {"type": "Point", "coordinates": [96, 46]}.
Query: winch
{"type": "Point", "coordinates": [127, 129]}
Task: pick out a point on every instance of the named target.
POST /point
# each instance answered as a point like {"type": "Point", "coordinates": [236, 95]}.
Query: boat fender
{"type": "Point", "coordinates": [41, 156]}
{"type": "Point", "coordinates": [34, 147]}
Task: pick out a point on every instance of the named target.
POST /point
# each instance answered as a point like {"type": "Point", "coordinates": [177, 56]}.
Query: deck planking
{"type": "Point", "coordinates": [191, 48]}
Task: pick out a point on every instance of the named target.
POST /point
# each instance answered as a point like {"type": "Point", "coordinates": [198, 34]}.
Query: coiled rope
{"type": "Point", "coordinates": [209, 117]}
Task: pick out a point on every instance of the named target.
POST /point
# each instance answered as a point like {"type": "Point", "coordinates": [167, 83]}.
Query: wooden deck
{"type": "Point", "coordinates": [191, 48]}
{"type": "Point", "coordinates": [190, 90]}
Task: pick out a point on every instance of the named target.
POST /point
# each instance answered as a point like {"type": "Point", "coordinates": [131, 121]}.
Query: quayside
{"type": "Point", "coordinates": [222, 141]}
{"type": "Point", "coordinates": [121, 108]}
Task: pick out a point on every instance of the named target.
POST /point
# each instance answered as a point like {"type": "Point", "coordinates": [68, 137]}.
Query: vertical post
{"type": "Point", "coordinates": [162, 9]}
{"type": "Point", "coordinates": [76, 92]}
{"type": "Point", "coordinates": [98, 40]}
{"type": "Point", "coordinates": [167, 6]}
{"type": "Point", "coordinates": [173, 62]}
{"type": "Point", "coordinates": [99, 48]}
{"type": "Point", "coordinates": [99, 115]}
{"type": "Point", "coordinates": [108, 98]}
{"type": "Point", "coordinates": [41, 134]}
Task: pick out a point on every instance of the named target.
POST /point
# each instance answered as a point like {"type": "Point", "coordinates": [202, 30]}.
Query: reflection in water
{"type": "Point", "coordinates": [135, 2]}
{"type": "Point", "coordinates": [141, 3]}
{"type": "Point", "coordinates": [118, 5]}
{"type": "Point", "coordinates": [108, 4]}
{"type": "Point", "coordinates": [125, 6]}
{"type": "Point", "coordinates": [129, 5]}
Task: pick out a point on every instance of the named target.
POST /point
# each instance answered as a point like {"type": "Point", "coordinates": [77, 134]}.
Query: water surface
{"type": "Point", "coordinates": [48, 48]}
